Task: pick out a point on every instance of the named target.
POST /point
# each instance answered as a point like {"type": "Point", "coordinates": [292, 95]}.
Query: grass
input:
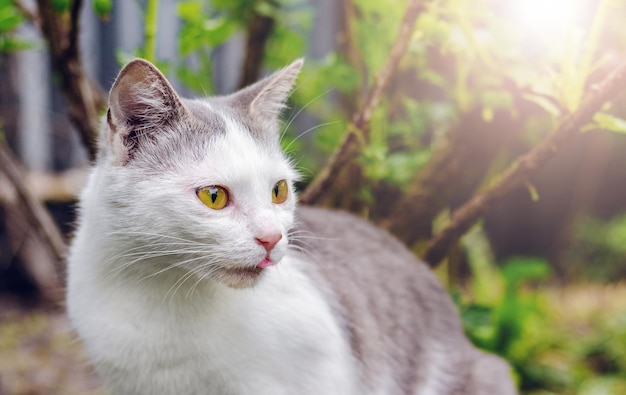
{"type": "Point", "coordinates": [586, 331]}
{"type": "Point", "coordinates": [39, 354]}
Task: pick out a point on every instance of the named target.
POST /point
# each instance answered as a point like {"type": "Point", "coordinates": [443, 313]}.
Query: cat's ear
{"type": "Point", "coordinates": [141, 103]}
{"type": "Point", "coordinates": [265, 99]}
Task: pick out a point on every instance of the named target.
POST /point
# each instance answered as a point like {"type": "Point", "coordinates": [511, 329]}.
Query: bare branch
{"type": "Point", "coordinates": [40, 216]}
{"type": "Point", "coordinates": [27, 12]}
{"type": "Point", "coordinates": [259, 31]}
{"type": "Point", "coordinates": [358, 130]}
{"type": "Point", "coordinates": [62, 187]}
{"type": "Point", "coordinates": [74, 29]}
{"type": "Point", "coordinates": [84, 97]}
{"type": "Point", "coordinates": [522, 169]}
{"type": "Point", "coordinates": [39, 221]}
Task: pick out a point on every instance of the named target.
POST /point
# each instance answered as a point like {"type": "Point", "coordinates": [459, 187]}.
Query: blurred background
{"type": "Point", "coordinates": [539, 280]}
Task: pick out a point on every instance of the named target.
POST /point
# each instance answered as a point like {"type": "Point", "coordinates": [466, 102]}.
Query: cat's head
{"type": "Point", "coordinates": [199, 188]}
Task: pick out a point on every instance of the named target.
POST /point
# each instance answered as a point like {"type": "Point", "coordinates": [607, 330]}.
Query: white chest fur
{"type": "Point", "coordinates": [279, 337]}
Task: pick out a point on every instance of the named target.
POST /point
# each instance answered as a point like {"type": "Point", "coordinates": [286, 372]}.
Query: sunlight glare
{"type": "Point", "coordinates": [546, 18]}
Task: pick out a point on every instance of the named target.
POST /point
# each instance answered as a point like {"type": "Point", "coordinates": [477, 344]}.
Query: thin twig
{"type": "Point", "coordinates": [522, 169]}
{"type": "Point", "coordinates": [358, 130]}
{"type": "Point", "coordinates": [27, 12]}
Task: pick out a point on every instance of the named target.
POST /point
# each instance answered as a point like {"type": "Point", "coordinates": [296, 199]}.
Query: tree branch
{"type": "Point", "coordinates": [453, 172]}
{"type": "Point", "coordinates": [527, 165]}
{"type": "Point", "coordinates": [358, 130]}
{"type": "Point", "coordinates": [74, 29]}
{"type": "Point", "coordinates": [27, 12]}
{"type": "Point", "coordinates": [259, 30]}
{"type": "Point", "coordinates": [85, 98]}
{"type": "Point", "coordinates": [62, 187]}
{"type": "Point", "coordinates": [38, 215]}
{"type": "Point", "coordinates": [40, 221]}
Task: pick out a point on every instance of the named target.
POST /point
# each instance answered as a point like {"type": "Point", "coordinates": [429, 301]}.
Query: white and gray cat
{"type": "Point", "coordinates": [193, 272]}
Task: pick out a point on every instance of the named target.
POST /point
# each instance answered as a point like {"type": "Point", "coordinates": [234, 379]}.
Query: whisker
{"type": "Point", "coordinates": [147, 255]}
{"type": "Point", "coordinates": [129, 253]}
{"type": "Point", "coordinates": [286, 127]}
{"type": "Point", "coordinates": [308, 131]}
{"type": "Point", "coordinates": [176, 286]}
{"type": "Point", "coordinates": [160, 235]}
{"type": "Point", "coordinates": [172, 266]}
{"type": "Point", "coordinates": [195, 285]}
{"type": "Point", "coordinates": [310, 236]}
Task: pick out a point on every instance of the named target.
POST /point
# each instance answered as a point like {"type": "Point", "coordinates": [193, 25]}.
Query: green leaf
{"type": "Point", "coordinates": [610, 122]}
{"type": "Point", "coordinates": [478, 323]}
{"type": "Point", "coordinates": [338, 73]}
{"type": "Point", "coordinates": [545, 103]}
{"type": "Point", "coordinates": [10, 19]}
{"type": "Point", "coordinates": [189, 39]}
{"type": "Point", "coordinates": [11, 44]}
{"type": "Point", "coordinates": [218, 30]}
{"type": "Point", "coordinates": [532, 190]}
{"type": "Point", "coordinates": [199, 78]}
{"type": "Point", "coordinates": [432, 76]}
{"type": "Point", "coordinates": [519, 269]}
{"type": "Point", "coordinates": [102, 8]}
{"type": "Point", "coordinates": [476, 316]}
{"type": "Point", "coordinates": [265, 9]}
{"type": "Point", "coordinates": [190, 10]}
{"type": "Point", "coordinates": [199, 30]}
{"type": "Point", "coordinates": [400, 168]}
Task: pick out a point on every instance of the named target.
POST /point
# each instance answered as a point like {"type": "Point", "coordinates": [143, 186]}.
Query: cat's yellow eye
{"type": "Point", "coordinates": [214, 197]}
{"type": "Point", "coordinates": [280, 192]}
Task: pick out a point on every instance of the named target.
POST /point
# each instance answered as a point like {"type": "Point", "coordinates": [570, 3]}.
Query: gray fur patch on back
{"type": "Point", "coordinates": [400, 320]}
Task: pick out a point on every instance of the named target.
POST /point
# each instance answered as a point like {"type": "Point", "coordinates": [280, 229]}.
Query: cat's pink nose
{"type": "Point", "coordinates": [269, 241]}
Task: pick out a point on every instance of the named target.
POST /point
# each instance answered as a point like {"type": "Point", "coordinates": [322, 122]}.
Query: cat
{"type": "Point", "coordinates": [193, 271]}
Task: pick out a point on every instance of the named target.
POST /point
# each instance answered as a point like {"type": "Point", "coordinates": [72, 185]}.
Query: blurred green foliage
{"type": "Point", "coordinates": [567, 340]}
{"type": "Point", "coordinates": [102, 8]}
{"type": "Point", "coordinates": [598, 249]}
{"type": "Point", "coordinates": [10, 19]}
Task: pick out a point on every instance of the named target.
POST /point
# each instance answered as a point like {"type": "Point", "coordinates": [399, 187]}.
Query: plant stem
{"type": "Point", "coordinates": [85, 98]}
{"type": "Point", "coordinates": [152, 19]}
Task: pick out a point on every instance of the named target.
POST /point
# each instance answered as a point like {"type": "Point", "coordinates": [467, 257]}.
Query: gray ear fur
{"type": "Point", "coordinates": [141, 102]}
{"type": "Point", "coordinates": [265, 99]}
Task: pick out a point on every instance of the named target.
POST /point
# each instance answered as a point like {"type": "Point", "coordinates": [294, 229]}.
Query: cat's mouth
{"type": "Point", "coordinates": [241, 277]}
{"type": "Point", "coordinates": [267, 262]}
{"type": "Point", "coordinates": [246, 271]}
